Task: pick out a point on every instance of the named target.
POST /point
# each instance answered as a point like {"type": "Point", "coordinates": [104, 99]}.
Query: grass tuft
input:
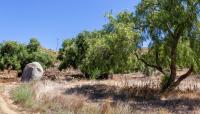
{"type": "Point", "coordinates": [23, 95]}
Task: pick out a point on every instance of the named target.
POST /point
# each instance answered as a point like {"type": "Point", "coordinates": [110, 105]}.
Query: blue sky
{"type": "Point", "coordinates": [49, 20]}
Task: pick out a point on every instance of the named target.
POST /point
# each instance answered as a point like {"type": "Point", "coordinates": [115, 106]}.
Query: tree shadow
{"type": "Point", "coordinates": [102, 91]}
{"type": "Point", "coordinates": [93, 92]}
{"type": "Point", "coordinates": [140, 98]}
{"type": "Point", "coordinates": [175, 105]}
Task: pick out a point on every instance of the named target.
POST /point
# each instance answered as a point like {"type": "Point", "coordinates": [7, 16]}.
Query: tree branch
{"type": "Point", "coordinates": [169, 30]}
{"type": "Point", "coordinates": [182, 77]}
{"type": "Point", "coordinates": [159, 68]}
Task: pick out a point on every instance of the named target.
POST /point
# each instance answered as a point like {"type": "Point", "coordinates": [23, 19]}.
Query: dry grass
{"type": "Point", "coordinates": [118, 96]}
{"type": "Point", "coordinates": [49, 99]}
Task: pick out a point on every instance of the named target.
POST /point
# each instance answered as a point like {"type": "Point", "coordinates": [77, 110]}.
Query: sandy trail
{"type": "Point", "coordinates": [4, 107]}
{"type": "Point", "coordinates": [6, 104]}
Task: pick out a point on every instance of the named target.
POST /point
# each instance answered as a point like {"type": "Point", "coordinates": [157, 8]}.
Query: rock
{"type": "Point", "coordinates": [32, 71]}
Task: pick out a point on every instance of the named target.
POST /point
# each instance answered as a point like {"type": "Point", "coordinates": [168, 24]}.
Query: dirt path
{"type": "Point", "coordinates": [6, 104]}
{"type": "Point", "coordinates": [4, 107]}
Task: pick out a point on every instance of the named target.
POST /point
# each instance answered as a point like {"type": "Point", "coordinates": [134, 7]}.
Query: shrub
{"type": "Point", "coordinates": [164, 81]}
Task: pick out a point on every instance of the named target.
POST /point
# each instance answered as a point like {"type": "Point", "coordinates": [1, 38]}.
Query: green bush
{"type": "Point", "coordinates": [165, 81]}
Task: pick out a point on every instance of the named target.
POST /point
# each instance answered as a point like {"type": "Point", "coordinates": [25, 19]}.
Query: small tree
{"type": "Point", "coordinates": [168, 24]}
{"type": "Point", "coordinates": [33, 45]}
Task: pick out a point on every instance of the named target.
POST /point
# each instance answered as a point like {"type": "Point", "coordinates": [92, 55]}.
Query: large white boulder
{"type": "Point", "coordinates": [32, 71]}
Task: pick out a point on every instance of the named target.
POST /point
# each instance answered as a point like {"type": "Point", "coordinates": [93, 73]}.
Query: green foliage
{"type": "Point", "coordinates": [44, 59]}
{"type": "Point", "coordinates": [162, 22]}
{"type": "Point", "coordinates": [68, 55]}
{"type": "Point", "coordinates": [33, 45]}
{"type": "Point", "coordinates": [15, 56]}
{"type": "Point", "coordinates": [172, 27]}
{"type": "Point", "coordinates": [23, 95]}
{"type": "Point", "coordinates": [164, 81]}
{"type": "Point", "coordinates": [11, 54]}
{"type": "Point", "coordinates": [187, 57]}
{"type": "Point", "coordinates": [97, 61]}
{"type": "Point", "coordinates": [107, 51]}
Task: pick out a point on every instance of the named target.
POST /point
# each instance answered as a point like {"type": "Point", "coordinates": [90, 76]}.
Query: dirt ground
{"type": "Point", "coordinates": [138, 91]}
{"type": "Point", "coordinates": [7, 106]}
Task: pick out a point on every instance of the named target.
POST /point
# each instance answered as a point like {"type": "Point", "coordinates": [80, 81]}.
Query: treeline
{"type": "Point", "coordinates": [14, 56]}
{"type": "Point", "coordinates": [117, 48]}
{"type": "Point", "coordinates": [171, 26]}
{"type": "Point", "coordinates": [103, 52]}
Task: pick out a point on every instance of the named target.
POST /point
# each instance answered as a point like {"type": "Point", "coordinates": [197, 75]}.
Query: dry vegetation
{"type": "Point", "coordinates": [124, 94]}
{"type": "Point", "coordinates": [48, 98]}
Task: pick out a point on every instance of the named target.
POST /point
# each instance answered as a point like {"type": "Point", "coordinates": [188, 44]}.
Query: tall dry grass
{"type": "Point", "coordinates": [52, 97]}
{"type": "Point", "coordinates": [49, 99]}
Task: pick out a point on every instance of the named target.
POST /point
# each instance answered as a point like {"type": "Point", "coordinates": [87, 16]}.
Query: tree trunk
{"type": "Point", "coordinates": [173, 57]}
{"type": "Point", "coordinates": [172, 82]}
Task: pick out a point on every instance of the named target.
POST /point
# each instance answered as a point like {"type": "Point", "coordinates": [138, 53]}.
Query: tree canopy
{"type": "Point", "coordinates": [105, 51]}
{"type": "Point", "coordinates": [172, 28]}
{"type": "Point", "coordinates": [14, 56]}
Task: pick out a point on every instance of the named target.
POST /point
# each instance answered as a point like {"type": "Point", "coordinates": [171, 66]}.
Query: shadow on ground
{"type": "Point", "coordinates": [140, 98]}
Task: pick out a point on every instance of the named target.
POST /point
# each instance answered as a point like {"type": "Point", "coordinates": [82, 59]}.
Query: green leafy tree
{"type": "Point", "coordinates": [170, 25]}
{"type": "Point", "coordinates": [14, 56]}
{"type": "Point", "coordinates": [68, 55]}
{"type": "Point", "coordinates": [103, 52]}
{"type": "Point", "coordinates": [10, 54]}
{"type": "Point", "coordinates": [33, 45]}
{"type": "Point", "coordinates": [82, 45]}
{"type": "Point", "coordinates": [44, 59]}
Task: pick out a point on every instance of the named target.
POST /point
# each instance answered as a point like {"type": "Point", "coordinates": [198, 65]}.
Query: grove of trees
{"type": "Point", "coordinates": [103, 52]}
{"type": "Point", "coordinates": [171, 26]}
{"type": "Point", "coordinates": [14, 56]}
